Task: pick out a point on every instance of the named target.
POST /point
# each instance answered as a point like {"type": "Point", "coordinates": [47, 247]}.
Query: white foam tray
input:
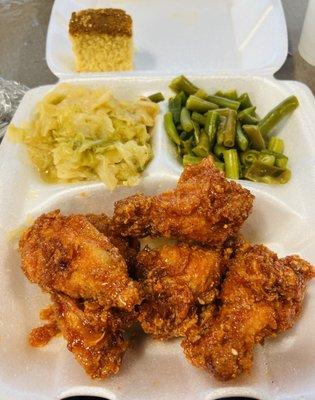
{"type": "Point", "coordinates": [184, 35]}
{"type": "Point", "coordinates": [283, 218]}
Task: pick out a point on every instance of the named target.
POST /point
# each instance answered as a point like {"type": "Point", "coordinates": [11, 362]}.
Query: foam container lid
{"type": "Point", "coordinates": [204, 36]}
{"type": "Point", "coordinates": [283, 218]}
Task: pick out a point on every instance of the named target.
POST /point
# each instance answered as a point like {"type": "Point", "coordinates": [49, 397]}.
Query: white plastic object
{"type": "Point", "coordinates": [283, 218]}
{"type": "Point", "coordinates": [207, 36]}
{"type": "Point", "coordinates": [307, 40]}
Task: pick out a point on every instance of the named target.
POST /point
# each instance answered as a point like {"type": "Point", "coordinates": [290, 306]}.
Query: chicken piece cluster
{"type": "Point", "coordinates": [214, 289]}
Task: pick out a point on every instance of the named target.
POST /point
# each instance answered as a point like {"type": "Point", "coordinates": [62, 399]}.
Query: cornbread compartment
{"type": "Point", "coordinates": [178, 36]}
{"type": "Point", "coordinates": [102, 40]}
{"type": "Point", "coordinates": [283, 218]}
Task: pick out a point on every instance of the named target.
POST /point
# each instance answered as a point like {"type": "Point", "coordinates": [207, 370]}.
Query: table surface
{"type": "Point", "coordinates": [23, 28]}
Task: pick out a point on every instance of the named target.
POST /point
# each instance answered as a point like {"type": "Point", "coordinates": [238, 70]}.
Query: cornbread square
{"type": "Point", "coordinates": [102, 40]}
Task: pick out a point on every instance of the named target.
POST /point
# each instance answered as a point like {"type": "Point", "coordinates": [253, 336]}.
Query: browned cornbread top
{"type": "Point", "coordinates": [112, 21]}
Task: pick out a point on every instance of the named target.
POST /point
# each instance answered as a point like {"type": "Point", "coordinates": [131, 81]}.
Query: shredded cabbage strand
{"type": "Point", "coordinates": [79, 134]}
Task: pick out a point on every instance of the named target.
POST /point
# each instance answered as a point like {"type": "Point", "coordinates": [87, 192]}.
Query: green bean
{"type": "Point", "coordinates": [224, 102]}
{"type": "Point", "coordinates": [231, 164]}
{"type": "Point", "coordinates": [186, 146]}
{"type": "Point", "coordinates": [185, 120]}
{"type": "Point", "coordinates": [286, 107]}
{"type": "Point", "coordinates": [247, 116]}
{"type": "Point", "coordinates": [219, 150]}
{"type": "Point", "coordinates": [195, 103]}
{"type": "Point", "coordinates": [241, 139]}
{"type": "Point", "coordinates": [281, 161]}
{"type": "Point", "coordinates": [249, 156]}
{"type": "Point", "coordinates": [231, 94]}
{"type": "Point", "coordinates": [183, 98]}
{"type": "Point", "coordinates": [255, 138]}
{"type": "Point", "coordinates": [267, 158]}
{"type": "Point", "coordinates": [229, 129]}
{"type": "Point", "coordinates": [220, 131]}
{"type": "Point", "coordinates": [181, 83]}
{"type": "Point", "coordinates": [188, 159]}
{"type": "Point", "coordinates": [202, 148]}
{"type": "Point", "coordinates": [259, 172]}
{"type": "Point", "coordinates": [196, 133]}
{"type": "Point", "coordinates": [156, 97]}
{"type": "Point", "coordinates": [202, 94]}
{"type": "Point", "coordinates": [175, 106]}
{"type": "Point", "coordinates": [276, 145]}
{"type": "Point", "coordinates": [170, 128]}
{"type": "Point", "coordinates": [199, 118]}
{"type": "Point", "coordinates": [245, 101]}
{"type": "Point", "coordinates": [211, 125]}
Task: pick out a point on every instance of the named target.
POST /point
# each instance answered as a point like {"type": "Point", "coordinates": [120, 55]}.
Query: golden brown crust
{"type": "Point", "coordinates": [111, 21]}
{"type": "Point", "coordinates": [261, 296]}
{"type": "Point", "coordinates": [175, 281]}
{"type": "Point", "coordinates": [204, 208]}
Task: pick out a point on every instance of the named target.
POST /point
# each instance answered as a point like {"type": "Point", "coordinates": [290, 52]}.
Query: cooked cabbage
{"type": "Point", "coordinates": [79, 134]}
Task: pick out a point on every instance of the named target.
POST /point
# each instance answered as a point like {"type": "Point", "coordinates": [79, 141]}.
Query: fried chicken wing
{"type": "Point", "coordinates": [175, 280]}
{"type": "Point", "coordinates": [204, 207]}
{"type": "Point", "coordinates": [69, 255]}
{"type": "Point", "coordinates": [94, 335]}
{"type": "Point", "coordinates": [261, 296]}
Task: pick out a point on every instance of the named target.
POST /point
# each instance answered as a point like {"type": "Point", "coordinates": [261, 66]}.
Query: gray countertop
{"type": "Point", "coordinates": [23, 27]}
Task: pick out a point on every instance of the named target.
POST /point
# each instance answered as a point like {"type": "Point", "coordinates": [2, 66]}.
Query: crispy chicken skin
{"type": "Point", "coordinates": [69, 255]}
{"type": "Point", "coordinates": [204, 208]}
{"type": "Point", "coordinates": [94, 335]}
{"type": "Point", "coordinates": [175, 281]}
{"type": "Point", "coordinates": [128, 247]}
{"type": "Point", "coordinates": [261, 297]}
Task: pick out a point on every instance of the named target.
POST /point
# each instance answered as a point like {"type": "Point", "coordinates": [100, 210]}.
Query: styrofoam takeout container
{"type": "Point", "coordinates": [283, 218]}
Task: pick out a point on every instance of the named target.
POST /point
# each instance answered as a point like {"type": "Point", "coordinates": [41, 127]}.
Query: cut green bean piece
{"type": "Point", "coordinates": [185, 120]}
{"type": "Point", "coordinates": [224, 102]}
{"type": "Point", "coordinates": [202, 149]}
{"type": "Point", "coordinates": [211, 125]}
{"type": "Point", "coordinates": [156, 97]}
{"type": "Point", "coordinates": [219, 150]}
{"type": "Point", "coordinates": [260, 172]}
{"type": "Point", "coordinates": [186, 146]}
{"type": "Point", "coordinates": [254, 136]}
{"type": "Point", "coordinates": [181, 83]}
{"type": "Point", "coordinates": [245, 101]}
{"type": "Point", "coordinates": [247, 116]}
{"type": "Point", "coordinates": [281, 161]}
{"type": "Point", "coordinates": [170, 128]}
{"type": "Point", "coordinates": [231, 94]}
{"type": "Point", "coordinates": [276, 145]}
{"type": "Point", "coordinates": [183, 98]}
{"type": "Point", "coordinates": [220, 131]}
{"type": "Point", "coordinates": [231, 164]}
{"type": "Point", "coordinates": [241, 139]}
{"type": "Point", "coordinates": [175, 106]}
{"type": "Point", "coordinates": [199, 118]}
{"type": "Point", "coordinates": [286, 107]}
{"type": "Point", "coordinates": [196, 133]}
{"type": "Point", "coordinates": [188, 159]}
{"type": "Point", "coordinates": [195, 103]}
{"type": "Point", "coordinates": [249, 156]}
{"type": "Point", "coordinates": [267, 158]}
{"type": "Point", "coordinates": [230, 129]}
{"type": "Point", "coordinates": [202, 94]}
